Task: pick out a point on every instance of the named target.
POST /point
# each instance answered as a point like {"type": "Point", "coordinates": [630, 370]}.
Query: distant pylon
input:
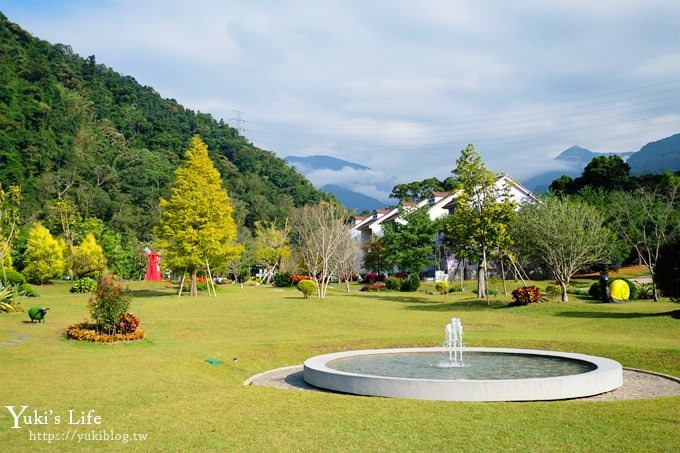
{"type": "Point", "coordinates": [238, 121]}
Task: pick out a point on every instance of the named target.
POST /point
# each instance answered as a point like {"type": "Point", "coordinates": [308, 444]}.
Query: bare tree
{"type": "Point", "coordinates": [349, 260]}
{"type": "Point", "coordinates": [319, 233]}
{"type": "Point", "coordinates": [562, 235]}
{"type": "Point", "coordinates": [645, 220]}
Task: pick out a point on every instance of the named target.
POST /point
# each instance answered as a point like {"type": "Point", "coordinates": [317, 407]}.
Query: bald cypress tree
{"type": "Point", "coordinates": [196, 228]}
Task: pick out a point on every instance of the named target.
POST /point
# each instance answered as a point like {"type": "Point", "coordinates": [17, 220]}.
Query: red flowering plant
{"type": "Point", "coordinates": [128, 323]}
{"type": "Point", "coordinates": [297, 278]}
{"type": "Point", "coordinates": [112, 321]}
{"type": "Point", "coordinates": [526, 295]}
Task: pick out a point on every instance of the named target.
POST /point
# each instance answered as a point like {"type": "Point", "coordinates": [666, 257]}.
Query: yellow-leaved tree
{"type": "Point", "coordinates": [196, 228]}
{"type": "Point", "coordinates": [88, 258]}
{"type": "Point", "coordinates": [44, 255]}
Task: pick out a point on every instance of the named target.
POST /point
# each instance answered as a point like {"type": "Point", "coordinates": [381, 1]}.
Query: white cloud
{"type": "Point", "coordinates": [397, 86]}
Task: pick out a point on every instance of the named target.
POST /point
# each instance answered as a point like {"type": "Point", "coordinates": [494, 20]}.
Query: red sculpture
{"type": "Point", "coordinates": [153, 270]}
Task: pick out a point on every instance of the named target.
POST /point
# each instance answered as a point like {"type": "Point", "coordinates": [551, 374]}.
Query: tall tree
{"type": "Point", "coordinates": [44, 255]}
{"type": "Point", "coordinates": [196, 227]}
{"type": "Point", "coordinates": [10, 201]}
{"type": "Point", "coordinates": [319, 233]}
{"type": "Point", "coordinates": [409, 241]}
{"type": "Point", "coordinates": [482, 215]}
{"type": "Point", "coordinates": [606, 172]}
{"type": "Point", "coordinates": [563, 235]}
{"type": "Point", "coordinates": [375, 258]}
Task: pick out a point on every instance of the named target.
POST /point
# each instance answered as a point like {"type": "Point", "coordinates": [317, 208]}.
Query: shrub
{"type": "Point", "coordinates": [595, 290]}
{"type": "Point", "coordinates": [306, 287]}
{"type": "Point", "coordinates": [553, 291]}
{"type": "Point", "coordinates": [84, 285]}
{"type": "Point", "coordinates": [375, 287]}
{"type": "Point", "coordinates": [667, 268]}
{"type": "Point", "coordinates": [633, 288]}
{"type": "Point", "coordinates": [12, 277]}
{"type": "Point", "coordinates": [348, 277]}
{"type": "Point", "coordinates": [412, 283]}
{"type": "Point", "coordinates": [442, 287]}
{"type": "Point", "coordinates": [489, 291]}
{"type": "Point", "coordinates": [645, 291]}
{"type": "Point", "coordinates": [526, 295]}
{"type": "Point", "coordinates": [109, 304]}
{"type": "Point", "coordinates": [581, 291]}
{"type": "Point", "coordinates": [297, 278]}
{"type": "Point", "coordinates": [128, 323]}
{"type": "Point", "coordinates": [201, 283]}
{"type": "Point", "coordinates": [393, 283]}
{"type": "Point", "coordinates": [8, 302]}
{"type": "Point", "coordinates": [371, 278]}
{"type": "Point", "coordinates": [282, 280]}
{"type": "Point", "coordinates": [27, 290]}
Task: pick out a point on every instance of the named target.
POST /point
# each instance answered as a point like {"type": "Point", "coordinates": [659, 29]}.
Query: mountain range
{"type": "Point", "coordinates": [654, 157]}
{"type": "Point", "coordinates": [352, 200]}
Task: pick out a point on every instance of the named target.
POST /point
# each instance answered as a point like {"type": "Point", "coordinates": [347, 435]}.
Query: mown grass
{"type": "Point", "coordinates": [163, 387]}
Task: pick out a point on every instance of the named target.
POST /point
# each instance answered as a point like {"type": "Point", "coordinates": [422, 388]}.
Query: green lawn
{"type": "Point", "coordinates": [162, 387]}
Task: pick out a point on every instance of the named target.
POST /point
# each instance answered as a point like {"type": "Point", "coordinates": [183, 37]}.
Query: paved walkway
{"type": "Point", "coordinates": [637, 384]}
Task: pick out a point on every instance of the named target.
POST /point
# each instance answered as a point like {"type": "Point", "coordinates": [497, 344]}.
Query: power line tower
{"type": "Point", "coordinates": [238, 121]}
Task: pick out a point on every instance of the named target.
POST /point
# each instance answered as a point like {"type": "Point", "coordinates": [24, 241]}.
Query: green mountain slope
{"type": "Point", "coordinates": [73, 128]}
{"type": "Point", "coordinates": [655, 157]}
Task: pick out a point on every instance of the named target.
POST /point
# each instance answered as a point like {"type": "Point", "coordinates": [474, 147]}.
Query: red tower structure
{"type": "Point", "coordinates": [153, 270]}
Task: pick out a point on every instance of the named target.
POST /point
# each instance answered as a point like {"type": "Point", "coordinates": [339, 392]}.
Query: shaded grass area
{"type": "Point", "coordinates": [164, 388]}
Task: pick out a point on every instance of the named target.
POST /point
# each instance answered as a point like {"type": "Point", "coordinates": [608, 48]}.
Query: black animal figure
{"type": "Point", "coordinates": [37, 313]}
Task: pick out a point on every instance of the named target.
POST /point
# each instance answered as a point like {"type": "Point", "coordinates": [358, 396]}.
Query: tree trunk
{"type": "Point", "coordinates": [505, 285]}
{"type": "Point", "coordinates": [481, 277]}
{"type": "Point", "coordinates": [565, 296]}
{"type": "Point", "coordinates": [655, 294]}
{"type": "Point", "coordinates": [194, 289]}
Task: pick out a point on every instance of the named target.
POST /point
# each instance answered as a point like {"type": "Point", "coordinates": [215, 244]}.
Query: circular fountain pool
{"type": "Point", "coordinates": [486, 374]}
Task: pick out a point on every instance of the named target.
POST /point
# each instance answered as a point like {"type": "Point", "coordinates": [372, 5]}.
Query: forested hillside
{"type": "Point", "coordinates": [74, 129]}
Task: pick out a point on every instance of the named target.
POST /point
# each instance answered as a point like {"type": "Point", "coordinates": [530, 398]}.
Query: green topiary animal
{"type": "Point", "coordinates": [37, 313]}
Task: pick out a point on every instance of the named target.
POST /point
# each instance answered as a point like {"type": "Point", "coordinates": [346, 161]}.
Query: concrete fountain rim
{"type": "Point", "coordinates": [607, 376]}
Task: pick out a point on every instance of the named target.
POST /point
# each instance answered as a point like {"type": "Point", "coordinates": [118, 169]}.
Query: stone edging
{"type": "Point", "coordinates": [637, 384]}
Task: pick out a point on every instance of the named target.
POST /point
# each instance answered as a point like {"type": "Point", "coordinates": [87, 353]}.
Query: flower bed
{"type": "Point", "coordinates": [86, 331]}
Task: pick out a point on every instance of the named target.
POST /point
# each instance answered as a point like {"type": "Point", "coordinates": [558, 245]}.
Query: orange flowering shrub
{"type": "Point", "coordinates": [526, 295]}
{"type": "Point", "coordinates": [297, 278]}
{"type": "Point", "coordinates": [128, 323]}
{"type": "Point", "coordinates": [375, 287]}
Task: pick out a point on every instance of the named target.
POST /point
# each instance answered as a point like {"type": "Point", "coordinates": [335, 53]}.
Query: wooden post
{"type": "Point", "coordinates": [210, 280]}
{"type": "Point", "coordinates": [181, 283]}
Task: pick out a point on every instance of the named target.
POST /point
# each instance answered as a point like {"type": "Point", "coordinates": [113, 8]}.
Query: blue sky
{"type": "Point", "coordinates": [398, 86]}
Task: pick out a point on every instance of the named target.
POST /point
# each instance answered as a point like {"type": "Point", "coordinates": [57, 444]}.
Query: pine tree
{"type": "Point", "coordinates": [44, 255]}
{"type": "Point", "coordinates": [196, 228]}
